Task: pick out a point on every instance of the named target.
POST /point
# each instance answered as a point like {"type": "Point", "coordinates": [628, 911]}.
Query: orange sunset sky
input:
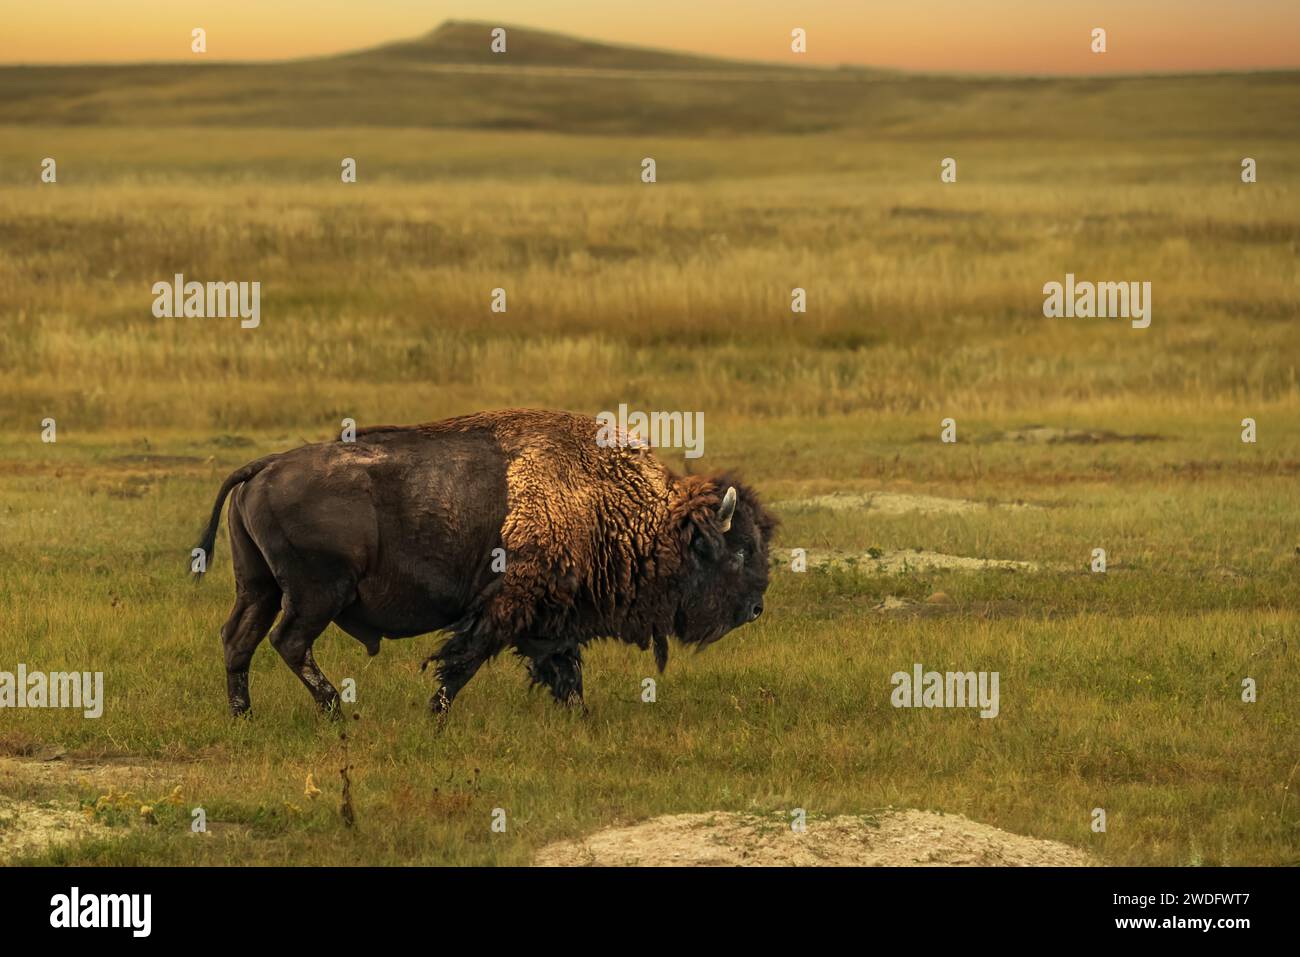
{"type": "Point", "coordinates": [998, 36]}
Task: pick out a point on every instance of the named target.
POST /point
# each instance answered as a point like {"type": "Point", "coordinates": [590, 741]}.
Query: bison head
{"type": "Point", "coordinates": [725, 572]}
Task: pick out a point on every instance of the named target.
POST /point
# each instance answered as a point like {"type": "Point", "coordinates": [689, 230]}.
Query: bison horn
{"type": "Point", "coordinates": [727, 509]}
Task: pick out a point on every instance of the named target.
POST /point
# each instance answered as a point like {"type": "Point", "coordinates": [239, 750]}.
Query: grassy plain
{"type": "Point", "coordinates": [1119, 691]}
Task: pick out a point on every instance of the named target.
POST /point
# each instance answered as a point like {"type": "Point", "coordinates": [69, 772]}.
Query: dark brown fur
{"type": "Point", "coordinates": [393, 536]}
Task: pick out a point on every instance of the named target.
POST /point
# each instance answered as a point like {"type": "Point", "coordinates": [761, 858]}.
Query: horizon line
{"type": "Point", "coordinates": [829, 69]}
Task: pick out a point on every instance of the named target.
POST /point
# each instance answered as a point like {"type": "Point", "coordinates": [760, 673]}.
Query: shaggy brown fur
{"type": "Point", "coordinates": [599, 542]}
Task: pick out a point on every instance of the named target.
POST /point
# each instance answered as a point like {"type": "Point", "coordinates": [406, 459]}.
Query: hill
{"type": "Point", "coordinates": [465, 42]}
{"type": "Point", "coordinates": [550, 82]}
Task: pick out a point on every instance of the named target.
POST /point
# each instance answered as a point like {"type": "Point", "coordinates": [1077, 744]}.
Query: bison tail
{"type": "Point", "coordinates": [209, 540]}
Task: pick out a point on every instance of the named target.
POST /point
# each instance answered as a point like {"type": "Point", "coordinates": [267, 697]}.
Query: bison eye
{"type": "Point", "coordinates": [738, 558]}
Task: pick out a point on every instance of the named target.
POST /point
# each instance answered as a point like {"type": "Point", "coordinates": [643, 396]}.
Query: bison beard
{"type": "Point", "coordinates": [395, 535]}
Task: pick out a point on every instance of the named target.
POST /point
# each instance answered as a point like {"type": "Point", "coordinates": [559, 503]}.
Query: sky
{"type": "Point", "coordinates": [980, 36]}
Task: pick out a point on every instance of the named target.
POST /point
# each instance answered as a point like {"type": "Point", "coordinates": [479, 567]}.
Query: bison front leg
{"type": "Point", "coordinates": [562, 673]}
{"type": "Point", "coordinates": [458, 661]}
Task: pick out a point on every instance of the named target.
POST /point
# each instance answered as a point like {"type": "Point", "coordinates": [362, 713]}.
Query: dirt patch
{"type": "Point", "coordinates": [56, 769]}
{"type": "Point", "coordinates": [889, 839]}
{"type": "Point", "coordinates": [892, 606]}
{"type": "Point", "coordinates": [114, 786]}
{"type": "Point", "coordinates": [1050, 435]}
{"type": "Point", "coordinates": [28, 827]}
{"type": "Point", "coordinates": [899, 503]}
{"type": "Point", "coordinates": [153, 459]}
{"type": "Point", "coordinates": [913, 560]}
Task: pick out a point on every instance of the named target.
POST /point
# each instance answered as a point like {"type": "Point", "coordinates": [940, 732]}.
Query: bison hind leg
{"type": "Point", "coordinates": [249, 621]}
{"type": "Point", "coordinates": [257, 602]}
{"type": "Point", "coordinates": [306, 614]}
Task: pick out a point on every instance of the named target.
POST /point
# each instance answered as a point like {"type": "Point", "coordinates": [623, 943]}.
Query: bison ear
{"type": "Point", "coordinates": [707, 544]}
{"type": "Point", "coordinates": [704, 519]}
{"type": "Point", "coordinates": [726, 510]}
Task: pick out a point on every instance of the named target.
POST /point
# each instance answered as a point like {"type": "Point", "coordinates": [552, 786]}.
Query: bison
{"type": "Point", "coordinates": [513, 529]}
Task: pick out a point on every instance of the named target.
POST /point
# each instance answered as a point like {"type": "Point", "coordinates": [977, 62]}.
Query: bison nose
{"type": "Point", "coordinates": [756, 611]}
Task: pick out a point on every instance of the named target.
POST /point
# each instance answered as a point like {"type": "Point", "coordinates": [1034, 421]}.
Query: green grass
{"type": "Point", "coordinates": [1119, 691]}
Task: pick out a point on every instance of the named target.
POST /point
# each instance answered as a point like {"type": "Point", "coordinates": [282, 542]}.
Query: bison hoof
{"type": "Point", "coordinates": [440, 702]}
